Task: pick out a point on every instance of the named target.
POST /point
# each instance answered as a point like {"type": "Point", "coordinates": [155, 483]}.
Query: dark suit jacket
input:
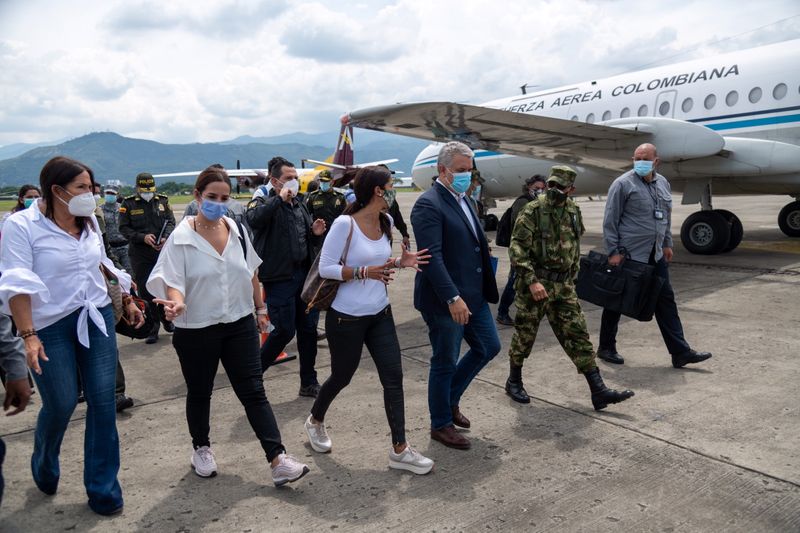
{"type": "Point", "coordinates": [460, 263]}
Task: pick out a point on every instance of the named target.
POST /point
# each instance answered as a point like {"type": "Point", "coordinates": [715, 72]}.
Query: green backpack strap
{"type": "Point", "coordinates": [544, 227]}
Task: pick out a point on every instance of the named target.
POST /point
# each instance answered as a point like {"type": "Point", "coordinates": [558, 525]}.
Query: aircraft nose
{"type": "Point", "coordinates": [424, 170]}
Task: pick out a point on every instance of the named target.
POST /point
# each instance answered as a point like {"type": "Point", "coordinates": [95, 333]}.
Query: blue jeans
{"type": "Point", "coordinates": [666, 317]}
{"type": "Point", "coordinates": [450, 376]}
{"type": "Point", "coordinates": [58, 386]}
{"type": "Point", "coordinates": [287, 312]}
{"type": "Point", "coordinates": [507, 298]}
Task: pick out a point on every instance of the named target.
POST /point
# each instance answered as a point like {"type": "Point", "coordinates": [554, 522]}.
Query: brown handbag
{"type": "Point", "coordinates": [114, 292]}
{"type": "Point", "coordinates": [319, 292]}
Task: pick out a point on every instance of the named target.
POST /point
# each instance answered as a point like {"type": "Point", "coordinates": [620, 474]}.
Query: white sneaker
{"type": "Point", "coordinates": [203, 462]}
{"type": "Point", "coordinates": [287, 470]}
{"type": "Point", "coordinates": [318, 436]}
{"type": "Point", "coordinates": [411, 460]}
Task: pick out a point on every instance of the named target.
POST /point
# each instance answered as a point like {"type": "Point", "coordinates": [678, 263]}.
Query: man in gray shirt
{"type": "Point", "coordinates": [637, 223]}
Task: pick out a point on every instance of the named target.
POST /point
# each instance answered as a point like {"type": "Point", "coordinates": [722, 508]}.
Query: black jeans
{"type": "Point", "coordinates": [347, 335]}
{"type": "Point", "coordinates": [508, 295]}
{"type": "Point", "coordinates": [236, 345]}
{"type": "Point", "coordinates": [142, 268]}
{"type": "Point", "coordinates": [666, 316]}
{"type": "Point", "coordinates": [287, 312]}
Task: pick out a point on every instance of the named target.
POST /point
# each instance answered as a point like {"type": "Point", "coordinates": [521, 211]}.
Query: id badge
{"type": "Point", "coordinates": [658, 214]}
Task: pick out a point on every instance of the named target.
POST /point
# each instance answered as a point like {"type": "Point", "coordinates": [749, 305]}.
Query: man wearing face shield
{"type": "Point", "coordinates": [637, 223]}
{"type": "Point", "coordinates": [545, 251]}
{"type": "Point", "coordinates": [285, 237]}
{"type": "Point", "coordinates": [143, 218]}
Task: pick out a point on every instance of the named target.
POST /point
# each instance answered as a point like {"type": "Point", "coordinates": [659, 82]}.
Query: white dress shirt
{"type": "Point", "coordinates": [355, 297]}
{"type": "Point", "coordinates": [59, 272]}
{"type": "Point", "coordinates": [461, 200]}
{"type": "Point", "coordinates": [217, 289]}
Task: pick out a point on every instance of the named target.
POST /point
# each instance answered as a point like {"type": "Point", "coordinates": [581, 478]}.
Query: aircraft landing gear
{"type": "Point", "coordinates": [706, 232]}
{"type": "Point", "coordinates": [789, 219]}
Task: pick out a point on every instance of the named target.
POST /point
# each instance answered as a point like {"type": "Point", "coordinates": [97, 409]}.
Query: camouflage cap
{"type": "Point", "coordinates": [476, 175]}
{"type": "Point", "coordinates": [145, 182]}
{"type": "Point", "coordinates": [325, 175]}
{"type": "Point", "coordinates": [111, 188]}
{"type": "Point", "coordinates": [563, 175]}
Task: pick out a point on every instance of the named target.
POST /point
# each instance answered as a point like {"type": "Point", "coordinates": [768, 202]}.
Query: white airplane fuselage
{"type": "Point", "coordinates": [751, 98]}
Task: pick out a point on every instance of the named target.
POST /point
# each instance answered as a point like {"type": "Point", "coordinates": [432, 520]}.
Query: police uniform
{"type": "Point", "coordinates": [137, 219]}
{"type": "Point", "coordinates": [326, 205]}
{"type": "Point", "coordinates": [545, 248]}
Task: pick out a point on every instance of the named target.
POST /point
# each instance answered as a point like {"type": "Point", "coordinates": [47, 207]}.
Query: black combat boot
{"type": "Point", "coordinates": [514, 387]}
{"type": "Point", "coordinates": [602, 395]}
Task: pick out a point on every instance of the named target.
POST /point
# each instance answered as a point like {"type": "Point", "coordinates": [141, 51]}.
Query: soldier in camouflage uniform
{"type": "Point", "coordinates": [545, 251]}
{"type": "Point", "coordinates": [116, 240]}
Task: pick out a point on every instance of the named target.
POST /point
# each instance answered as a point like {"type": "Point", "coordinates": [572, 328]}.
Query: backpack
{"type": "Point", "coordinates": [504, 227]}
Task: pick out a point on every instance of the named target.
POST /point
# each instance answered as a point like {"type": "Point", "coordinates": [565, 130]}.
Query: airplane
{"type": "Point", "coordinates": [725, 125]}
{"type": "Point", "coordinates": [339, 163]}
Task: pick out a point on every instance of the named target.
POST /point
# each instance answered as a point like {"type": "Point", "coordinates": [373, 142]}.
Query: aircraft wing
{"type": "Point", "coordinates": [233, 172]}
{"type": "Point", "coordinates": [602, 145]}
{"type": "Point", "coordinates": [356, 165]}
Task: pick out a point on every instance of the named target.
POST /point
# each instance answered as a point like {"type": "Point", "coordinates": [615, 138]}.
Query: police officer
{"type": "Point", "coordinates": [144, 217]}
{"type": "Point", "coordinates": [116, 240]}
{"type": "Point", "coordinates": [326, 202]}
{"type": "Point", "coordinates": [545, 250]}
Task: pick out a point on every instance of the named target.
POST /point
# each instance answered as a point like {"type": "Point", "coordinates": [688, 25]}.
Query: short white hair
{"type": "Point", "coordinates": [451, 149]}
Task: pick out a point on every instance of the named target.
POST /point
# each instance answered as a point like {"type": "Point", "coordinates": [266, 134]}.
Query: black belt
{"type": "Point", "coordinates": [118, 244]}
{"type": "Point", "coordinates": [551, 275]}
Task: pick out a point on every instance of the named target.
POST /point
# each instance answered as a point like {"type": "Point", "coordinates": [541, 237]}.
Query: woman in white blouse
{"type": "Point", "coordinates": [206, 279]}
{"type": "Point", "coordinates": [361, 315]}
{"type": "Point", "coordinates": [53, 286]}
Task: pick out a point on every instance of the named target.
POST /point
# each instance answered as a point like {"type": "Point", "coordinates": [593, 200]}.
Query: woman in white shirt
{"type": "Point", "coordinates": [206, 279]}
{"type": "Point", "coordinates": [28, 194]}
{"type": "Point", "coordinates": [360, 314]}
{"type": "Point", "coordinates": [53, 286]}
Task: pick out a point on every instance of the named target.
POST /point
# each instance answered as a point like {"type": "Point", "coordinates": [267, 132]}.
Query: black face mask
{"type": "Point", "coordinates": [556, 196]}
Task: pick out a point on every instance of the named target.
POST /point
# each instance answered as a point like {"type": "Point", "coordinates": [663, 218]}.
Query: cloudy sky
{"type": "Point", "coordinates": [202, 71]}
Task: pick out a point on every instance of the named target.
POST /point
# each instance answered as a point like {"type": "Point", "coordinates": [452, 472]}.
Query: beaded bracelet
{"type": "Point", "coordinates": [25, 333]}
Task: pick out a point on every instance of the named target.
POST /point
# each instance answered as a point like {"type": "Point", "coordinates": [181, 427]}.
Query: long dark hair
{"type": "Point", "coordinates": [60, 171]}
{"type": "Point", "coordinates": [364, 184]}
{"type": "Point", "coordinates": [22, 192]}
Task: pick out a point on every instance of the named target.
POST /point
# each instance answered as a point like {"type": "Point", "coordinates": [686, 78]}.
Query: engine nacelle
{"type": "Point", "coordinates": [676, 140]}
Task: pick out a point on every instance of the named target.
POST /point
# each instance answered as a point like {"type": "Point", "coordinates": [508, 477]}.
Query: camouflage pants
{"type": "Point", "coordinates": [120, 253]}
{"type": "Point", "coordinates": [566, 318]}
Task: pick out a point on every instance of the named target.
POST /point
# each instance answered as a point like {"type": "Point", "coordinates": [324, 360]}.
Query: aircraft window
{"type": "Point", "coordinates": [625, 113]}
{"type": "Point", "coordinates": [574, 117]}
{"type": "Point", "coordinates": [779, 91]}
{"type": "Point", "coordinates": [687, 105]}
{"type": "Point", "coordinates": [606, 116]}
{"type": "Point", "coordinates": [642, 111]}
{"type": "Point", "coordinates": [590, 118]}
{"type": "Point", "coordinates": [710, 101]}
{"type": "Point", "coordinates": [755, 95]}
{"type": "Point", "coordinates": [732, 98]}
{"type": "Point", "coordinates": [663, 109]}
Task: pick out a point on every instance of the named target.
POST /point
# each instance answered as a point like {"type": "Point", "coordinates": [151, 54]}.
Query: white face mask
{"type": "Point", "coordinates": [147, 196]}
{"type": "Point", "coordinates": [292, 186]}
{"type": "Point", "coordinates": [81, 205]}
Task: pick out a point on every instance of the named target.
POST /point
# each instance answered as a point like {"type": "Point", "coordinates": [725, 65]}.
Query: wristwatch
{"type": "Point", "coordinates": [453, 300]}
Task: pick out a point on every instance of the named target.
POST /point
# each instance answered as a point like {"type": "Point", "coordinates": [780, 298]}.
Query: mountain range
{"type": "Point", "coordinates": [112, 156]}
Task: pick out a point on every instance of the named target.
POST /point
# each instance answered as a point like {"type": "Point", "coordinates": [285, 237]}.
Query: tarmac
{"type": "Point", "coordinates": [712, 447]}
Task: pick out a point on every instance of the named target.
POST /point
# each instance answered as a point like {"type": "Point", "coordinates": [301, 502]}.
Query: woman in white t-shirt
{"type": "Point", "coordinates": [361, 315]}
{"type": "Point", "coordinates": [206, 280]}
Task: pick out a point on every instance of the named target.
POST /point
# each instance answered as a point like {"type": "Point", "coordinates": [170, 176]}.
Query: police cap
{"type": "Point", "coordinates": [325, 175]}
{"type": "Point", "coordinates": [145, 182]}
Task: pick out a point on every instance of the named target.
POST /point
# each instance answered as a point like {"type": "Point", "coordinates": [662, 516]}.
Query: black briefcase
{"type": "Point", "coordinates": [631, 288]}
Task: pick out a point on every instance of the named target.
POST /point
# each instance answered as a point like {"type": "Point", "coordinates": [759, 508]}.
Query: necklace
{"type": "Point", "coordinates": [215, 226]}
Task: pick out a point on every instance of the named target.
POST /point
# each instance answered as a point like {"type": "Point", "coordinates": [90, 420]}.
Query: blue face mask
{"type": "Point", "coordinates": [213, 210]}
{"type": "Point", "coordinates": [643, 167]}
{"type": "Point", "coordinates": [461, 181]}
{"type": "Point", "coordinates": [111, 198]}
{"type": "Point", "coordinates": [476, 194]}
{"type": "Point", "coordinates": [325, 186]}
{"type": "Point", "coordinates": [27, 202]}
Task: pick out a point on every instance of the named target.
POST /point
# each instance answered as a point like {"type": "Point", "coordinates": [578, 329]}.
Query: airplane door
{"type": "Point", "coordinates": [665, 104]}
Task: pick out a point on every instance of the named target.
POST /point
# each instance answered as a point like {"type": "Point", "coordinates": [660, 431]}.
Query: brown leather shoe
{"type": "Point", "coordinates": [459, 419]}
{"type": "Point", "coordinates": [450, 438]}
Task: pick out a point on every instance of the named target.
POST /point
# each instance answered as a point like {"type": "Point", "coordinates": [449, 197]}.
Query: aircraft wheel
{"type": "Point", "coordinates": [737, 230]}
{"type": "Point", "coordinates": [490, 223]}
{"type": "Point", "coordinates": [789, 219]}
{"type": "Point", "coordinates": [705, 233]}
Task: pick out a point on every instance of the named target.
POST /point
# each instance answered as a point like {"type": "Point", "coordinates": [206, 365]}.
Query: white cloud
{"type": "Point", "coordinates": [206, 70]}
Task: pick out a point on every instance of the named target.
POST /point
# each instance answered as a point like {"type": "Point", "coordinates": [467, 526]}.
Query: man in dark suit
{"type": "Point", "coordinates": [453, 291]}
